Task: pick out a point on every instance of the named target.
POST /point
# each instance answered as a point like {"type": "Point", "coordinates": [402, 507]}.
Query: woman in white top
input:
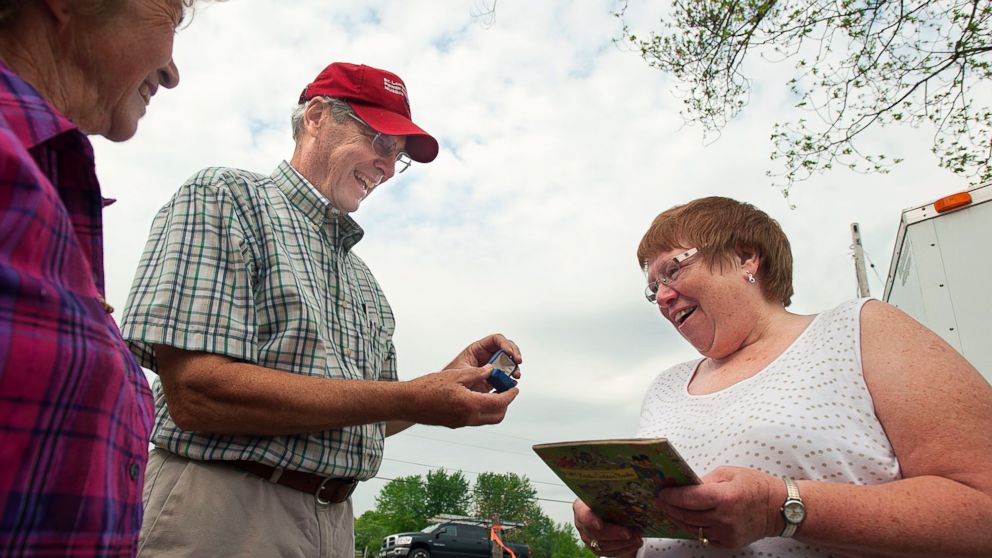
{"type": "Point", "coordinates": [855, 432]}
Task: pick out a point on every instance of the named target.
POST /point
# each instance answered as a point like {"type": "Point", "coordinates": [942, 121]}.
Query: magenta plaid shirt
{"type": "Point", "coordinates": [75, 409]}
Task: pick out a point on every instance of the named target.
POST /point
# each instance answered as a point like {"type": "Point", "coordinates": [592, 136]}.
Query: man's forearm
{"type": "Point", "coordinates": [212, 393]}
{"type": "Point", "coordinates": [209, 393]}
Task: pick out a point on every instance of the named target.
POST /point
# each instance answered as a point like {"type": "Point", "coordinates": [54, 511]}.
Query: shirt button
{"type": "Point", "coordinates": [349, 353]}
{"type": "Point", "coordinates": [133, 470]}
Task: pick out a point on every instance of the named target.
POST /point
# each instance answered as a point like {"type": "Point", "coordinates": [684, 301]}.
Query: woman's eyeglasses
{"type": "Point", "coordinates": [668, 273]}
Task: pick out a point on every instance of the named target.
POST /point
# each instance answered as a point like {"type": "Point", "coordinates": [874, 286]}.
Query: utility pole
{"type": "Point", "coordinates": [859, 261]}
{"type": "Point", "coordinates": [495, 550]}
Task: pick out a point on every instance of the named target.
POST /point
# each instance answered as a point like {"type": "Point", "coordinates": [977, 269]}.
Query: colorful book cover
{"type": "Point", "coordinates": [619, 479]}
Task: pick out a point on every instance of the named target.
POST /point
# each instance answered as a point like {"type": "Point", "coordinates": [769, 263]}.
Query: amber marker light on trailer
{"type": "Point", "coordinates": [953, 201]}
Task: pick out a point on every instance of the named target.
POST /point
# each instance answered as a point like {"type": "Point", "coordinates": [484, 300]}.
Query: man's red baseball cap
{"type": "Point", "coordinates": [379, 98]}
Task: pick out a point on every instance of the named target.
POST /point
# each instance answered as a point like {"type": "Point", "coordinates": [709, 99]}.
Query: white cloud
{"type": "Point", "coordinates": [558, 150]}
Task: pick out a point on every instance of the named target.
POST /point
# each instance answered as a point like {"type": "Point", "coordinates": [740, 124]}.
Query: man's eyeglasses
{"type": "Point", "coordinates": [668, 273]}
{"type": "Point", "coordinates": [385, 146]}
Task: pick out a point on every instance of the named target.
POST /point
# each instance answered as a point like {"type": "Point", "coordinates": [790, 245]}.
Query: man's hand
{"type": "Point", "coordinates": [457, 397]}
{"type": "Point", "coordinates": [479, 352]}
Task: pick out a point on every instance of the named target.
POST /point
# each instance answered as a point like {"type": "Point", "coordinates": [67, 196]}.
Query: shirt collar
{"type": "Point", "coordinates": [304, 196]}
{"type": "Point", "coordinates": [29, 115]}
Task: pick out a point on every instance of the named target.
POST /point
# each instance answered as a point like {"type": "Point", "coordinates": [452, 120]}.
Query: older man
{"type": "Point", "coordinates": [273, 342]}
{"type": "Point", "coordinates": [75, 409]}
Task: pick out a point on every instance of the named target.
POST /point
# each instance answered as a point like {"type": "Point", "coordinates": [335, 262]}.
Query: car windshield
{"type": "Point", "coordinates": [430, 528]}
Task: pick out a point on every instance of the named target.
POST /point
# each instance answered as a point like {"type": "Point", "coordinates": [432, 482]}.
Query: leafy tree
{"type": "Point", "coordinates": [858, 64]}
{"type": "Point", "coordinates": [546, 538]}
{"type": "Point", "coordinates": [507, 496]}
{"type": "Point", "coordinates": [370, 528]}
{"type": "Point", "coordinates": [512, 498]}
{"type": "Point", "coordinates": [403, 504]}
{"type": "Point", "coordinates": [565, 543]}
{"type": "Point", "coordinates": [400, 506]}
{"type": "Point", "coordinates": [447, 493]}
{"type": "Point", "coordinates": [407, 503]}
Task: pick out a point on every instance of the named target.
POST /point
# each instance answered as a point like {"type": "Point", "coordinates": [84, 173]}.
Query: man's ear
{"type": "Point", "coordinates": [314, 114]}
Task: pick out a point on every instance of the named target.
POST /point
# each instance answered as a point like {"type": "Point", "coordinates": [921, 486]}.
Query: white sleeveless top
{"type": "Point", "coordinates": [807, 415]}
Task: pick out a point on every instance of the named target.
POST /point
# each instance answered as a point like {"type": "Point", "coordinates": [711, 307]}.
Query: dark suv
{"type": "Point", "coordinates": [446, 540]}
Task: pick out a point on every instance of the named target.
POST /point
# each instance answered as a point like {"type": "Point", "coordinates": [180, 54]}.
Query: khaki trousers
{"type": "Point", "coordinates": [199, 509]}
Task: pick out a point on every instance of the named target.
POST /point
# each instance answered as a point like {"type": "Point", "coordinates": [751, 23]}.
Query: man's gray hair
{"type": "Point", "coordinates": [340, 110]}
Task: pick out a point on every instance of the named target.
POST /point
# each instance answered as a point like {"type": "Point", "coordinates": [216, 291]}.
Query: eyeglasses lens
{"type": "Point", "coordinates": [385, 146]}
{"type": "Point", "coordinates": [651, 291]}
{"type": "Point", "coordinates": [402, 162]}
{"type": "Point", "coordinates": [668, 273]}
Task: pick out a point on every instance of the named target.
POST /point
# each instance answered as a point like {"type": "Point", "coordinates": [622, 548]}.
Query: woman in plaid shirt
{"type": "Point", "coordinates": [75, 409]}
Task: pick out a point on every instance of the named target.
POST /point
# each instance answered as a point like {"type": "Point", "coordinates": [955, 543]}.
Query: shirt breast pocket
{"type": "Point", "coordinates": [376, 342]}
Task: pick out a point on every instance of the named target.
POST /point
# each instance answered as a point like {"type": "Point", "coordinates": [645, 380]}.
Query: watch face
{"type": "Point", "coordinates": [794, 512]}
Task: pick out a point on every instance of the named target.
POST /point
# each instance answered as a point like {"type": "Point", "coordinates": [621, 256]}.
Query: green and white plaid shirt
{"type": "Point", "coordinates": [260, 269]}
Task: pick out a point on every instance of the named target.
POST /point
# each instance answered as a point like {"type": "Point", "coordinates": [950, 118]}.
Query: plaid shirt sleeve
{"type": "Point", "coordinates": [193, 287]}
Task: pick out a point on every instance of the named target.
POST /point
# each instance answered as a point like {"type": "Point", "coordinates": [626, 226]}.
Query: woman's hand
{"type": "Point", "coordinates": [734, 506]}
{"type": "Point", "coordinates": [602, 538]}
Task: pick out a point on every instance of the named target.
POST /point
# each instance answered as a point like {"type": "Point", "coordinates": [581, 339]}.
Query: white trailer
{"type": "Point", "coordinates": [941, 271]}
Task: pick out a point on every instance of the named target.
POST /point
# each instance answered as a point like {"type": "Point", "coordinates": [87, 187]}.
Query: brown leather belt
{"type": "Point", "coordinates": [327, 490]}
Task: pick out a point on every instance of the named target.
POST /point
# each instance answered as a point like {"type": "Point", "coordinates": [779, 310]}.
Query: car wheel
{"type": "Point", "coordinates": [420, 553]}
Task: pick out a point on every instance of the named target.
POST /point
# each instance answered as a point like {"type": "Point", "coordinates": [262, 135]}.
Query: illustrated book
{"type": "Point", "coordinates": [619, 479]}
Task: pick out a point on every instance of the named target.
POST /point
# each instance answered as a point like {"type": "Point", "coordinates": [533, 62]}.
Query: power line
{"type": "Point", "coordinates": [556, 501]}
{"type": "Point", "coordinates": [467, 445]}
{"type": "Point", "coordinates": [484, 431]}
{"type": "Point", "coordinates": [871, 264]}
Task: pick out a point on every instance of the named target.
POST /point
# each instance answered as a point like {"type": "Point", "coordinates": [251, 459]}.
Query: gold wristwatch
{"type": "Point", "coordinates": [793, 510]}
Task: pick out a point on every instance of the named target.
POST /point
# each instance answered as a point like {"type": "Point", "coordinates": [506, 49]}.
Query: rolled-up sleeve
{"type": "Point", "coordinates": [193, 287]}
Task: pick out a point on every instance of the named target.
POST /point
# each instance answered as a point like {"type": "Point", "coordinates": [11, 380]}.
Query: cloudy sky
{"type": "Point", "coordinates": [557, 150]}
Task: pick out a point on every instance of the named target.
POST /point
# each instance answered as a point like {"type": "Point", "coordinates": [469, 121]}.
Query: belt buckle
{"type": "Point", "coordinates": [351, 484]}
{"type": "Point", "coordinates": [320, 489]}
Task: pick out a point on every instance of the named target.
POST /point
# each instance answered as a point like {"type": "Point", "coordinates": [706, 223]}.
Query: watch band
{"type": "Point", "coordinates": [792, 495]}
